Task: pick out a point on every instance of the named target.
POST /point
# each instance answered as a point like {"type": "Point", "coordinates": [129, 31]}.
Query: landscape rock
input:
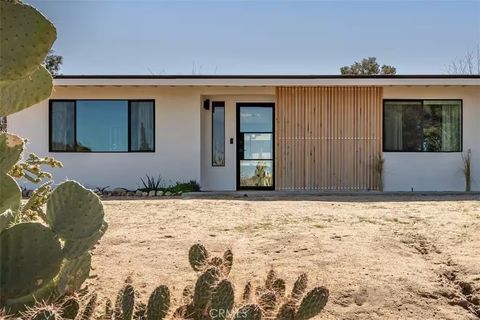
{"type": "Point", "coordinates": [138, 193]}
{"type": "Point", "coordinates": [168, 193]}
{"type": "Point", "coordinates": [144, 194]}
{"type": "Point", "coordinates": [152, 193]}
{"type": "Point", "coordinates": [121, 192]}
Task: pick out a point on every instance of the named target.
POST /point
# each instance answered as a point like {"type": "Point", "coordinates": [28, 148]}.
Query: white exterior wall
{"type": "Point", "coordinates": [183, 139]}
{"type": "Point", "coordinates": [177, 138]}
{"type": "Point", "coordinates": [224, 178]}
{"type": "Point", "coordinates": [436, 171]}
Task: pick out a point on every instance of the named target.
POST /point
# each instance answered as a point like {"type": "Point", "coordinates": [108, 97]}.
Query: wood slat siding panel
{"type": "Point", "coordinates": [327, 138]}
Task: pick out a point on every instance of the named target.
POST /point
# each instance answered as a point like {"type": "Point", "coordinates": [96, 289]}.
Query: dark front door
{"type": "Point", "coordinates": [255, 146]}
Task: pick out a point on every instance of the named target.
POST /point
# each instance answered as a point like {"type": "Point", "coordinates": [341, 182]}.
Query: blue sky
{"type": "Point", "coordinates": [259, 37]}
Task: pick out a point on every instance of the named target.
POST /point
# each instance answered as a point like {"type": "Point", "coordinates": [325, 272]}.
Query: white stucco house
{"type": "Point", "coordinates": [260, 132]}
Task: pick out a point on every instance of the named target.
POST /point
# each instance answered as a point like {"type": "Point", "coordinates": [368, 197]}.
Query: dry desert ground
{"type": "Point", "coordinates": [381, 257]}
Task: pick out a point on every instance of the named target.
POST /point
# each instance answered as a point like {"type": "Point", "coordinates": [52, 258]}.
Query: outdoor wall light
{"type": "Point", "coordinates": [206, 104]}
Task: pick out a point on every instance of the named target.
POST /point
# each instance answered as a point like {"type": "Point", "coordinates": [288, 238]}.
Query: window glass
{"type": "Point", "coordinates": [256, 119]}
{"type": "Point", "coordinates": [443, 126]}
{"type": "Point", "coordinates": [62, 124]}
{"type": "Point", "coordinates": [258, 146]}
{"type": "Point", "coordinates": [218, 134]}
{"type": "Point", "coordinates": [102, 126]}
{"type": "Point", "coordinates": [256, 173]}
{"type": "Point", "coordinates": [141, 126]}
{"type": "Point", "coordinates": [429, 126]}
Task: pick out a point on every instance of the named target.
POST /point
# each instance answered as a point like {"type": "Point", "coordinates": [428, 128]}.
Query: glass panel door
{"type": "Point", "coordinates": [255, 142]}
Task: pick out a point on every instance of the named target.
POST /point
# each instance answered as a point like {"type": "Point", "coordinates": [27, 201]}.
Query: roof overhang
{"type": "Point", "coordinates": [266, 80]}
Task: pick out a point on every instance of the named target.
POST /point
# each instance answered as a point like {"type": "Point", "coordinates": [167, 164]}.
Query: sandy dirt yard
{"type": "Point", "coordinates": [381, 257]}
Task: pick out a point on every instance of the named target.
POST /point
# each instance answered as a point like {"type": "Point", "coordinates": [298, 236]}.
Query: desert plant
{"type": "Point", "coordinates": [151, 184]}
{"type": "Point", "coordinates": [467, 170]}
{"type": "Point", "coordinates": [101, 190]}
{"type": "Point", "coordinates": [44, 255]}
{"type": "Point", "coordinates": [211, 298]}
{"type": "Point", "coordinates": [379, 169]}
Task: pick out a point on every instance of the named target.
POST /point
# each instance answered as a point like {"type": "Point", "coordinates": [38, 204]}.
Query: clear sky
{"type": "Point", "coordinates": [259, 37]}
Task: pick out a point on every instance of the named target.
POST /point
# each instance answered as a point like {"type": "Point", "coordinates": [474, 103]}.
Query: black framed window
{"type": "Point", "coordinates": [102, 126]}
{"type": "Point", "coordinates": [422, 126]}
{"type": "Point", "coordinates": [218, 133]}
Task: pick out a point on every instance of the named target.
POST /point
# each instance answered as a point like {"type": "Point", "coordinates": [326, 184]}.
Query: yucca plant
{"type": "Point", "coordinates": [467, 170]}
{"type": "Point", "coordinates": [151, 184]}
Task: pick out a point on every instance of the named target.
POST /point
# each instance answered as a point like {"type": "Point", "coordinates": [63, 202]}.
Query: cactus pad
{"type": "Point", "coordinates": [10, 193]}
{"type": "Point", "coordinates": [267, 301]}
{"type": "Point", "coordinates": [299, 287]}
{"type": "Point", "coordinates": [6, 219]}
{"type": "Point", "coordinates": [313, 302]}
{"type": "Point", "coordinates": [222, 300]}
{"type": "Point", "coordinates": [74, 212]}
{"type": "Point", "coordinates": [31, 257]}
{"type": "Point", "coordinates": [248, 312]}
{"type": "Point", "coordinates": [271, 277]}
{"type": "Point", "coordinates": [204, 287]}
{"type": "Point", "coordinates": [108, 310]}
{"type": "Point", "coordinates": [198, 257]}
{"type": "Point", "coordinates": [11, 148]}
{"type": "Point", "coordinates": [279, 288]}
{"type": "Point", "coordinates": [187, 294]}
{"type": "Point", "coordinates": [247, 292]}
{"type": "Point", "coordinates": [286, 312]}
{"type": "Point", "coordinates": [140, 311]}
{"type": "Point", "coordinates": [72, 274]}
{"type": "Point", "coordinates": [227, 262]}
{"type": "Point", "coordinates": [75, 248]}
{"type": "Point", "coordinates": [27, 36]}
{"type": "Point", "coordinates": [127, 302]}
{"type": "Point", "coordinates": [22, 93]}
{"type": "Point", "coordinates": [70, 308]}
{"type": "Point", "coordinates": [158, 303]}
{"type": "Point", "coordinates": [89, 308]}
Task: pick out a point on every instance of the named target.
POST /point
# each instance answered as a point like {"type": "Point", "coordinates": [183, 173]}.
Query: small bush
{"type": "Point", "coordinates": [152, 184]}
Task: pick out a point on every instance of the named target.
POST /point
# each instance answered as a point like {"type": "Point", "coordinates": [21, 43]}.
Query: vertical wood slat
{"type": "Point", "coordinates": [327, 138]}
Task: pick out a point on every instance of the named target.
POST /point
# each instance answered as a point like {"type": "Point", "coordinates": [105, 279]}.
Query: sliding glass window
{"type": "Point", "coordinates": [218, 133]}
{"type": "Point", "coordinates": [102, 126]}
{"type": "Point", "coordinates": [423, 126]}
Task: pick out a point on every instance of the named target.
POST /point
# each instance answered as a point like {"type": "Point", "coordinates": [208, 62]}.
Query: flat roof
{"type": "Point", "coordinates": [266, 80]}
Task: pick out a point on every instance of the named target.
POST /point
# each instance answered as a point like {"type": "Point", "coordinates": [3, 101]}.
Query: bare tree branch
{"type": "Point", "coordinates": [468, 64]}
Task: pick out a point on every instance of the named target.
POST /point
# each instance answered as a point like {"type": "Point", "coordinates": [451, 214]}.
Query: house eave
{"type": "Point", "coordinates": [267, 80]}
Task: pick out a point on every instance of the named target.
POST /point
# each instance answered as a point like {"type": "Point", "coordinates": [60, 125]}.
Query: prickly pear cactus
{"type": "Point", "coordinates": [27, 36]}
{"type": "Point", "coordinates": [72, 204]}
{"type": "Point", "coordinates": [198, 256]}
{"type": "Point", "coordinates": [222, 300]}
{"type": "Point", "coordinates": [31, 256]}
{"type": "Point", "coordinates": [158, 303]}
{"type": "Point", "coordinates": [43, 256]}
{"type": "Point", "coordinates": [313, 302]}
